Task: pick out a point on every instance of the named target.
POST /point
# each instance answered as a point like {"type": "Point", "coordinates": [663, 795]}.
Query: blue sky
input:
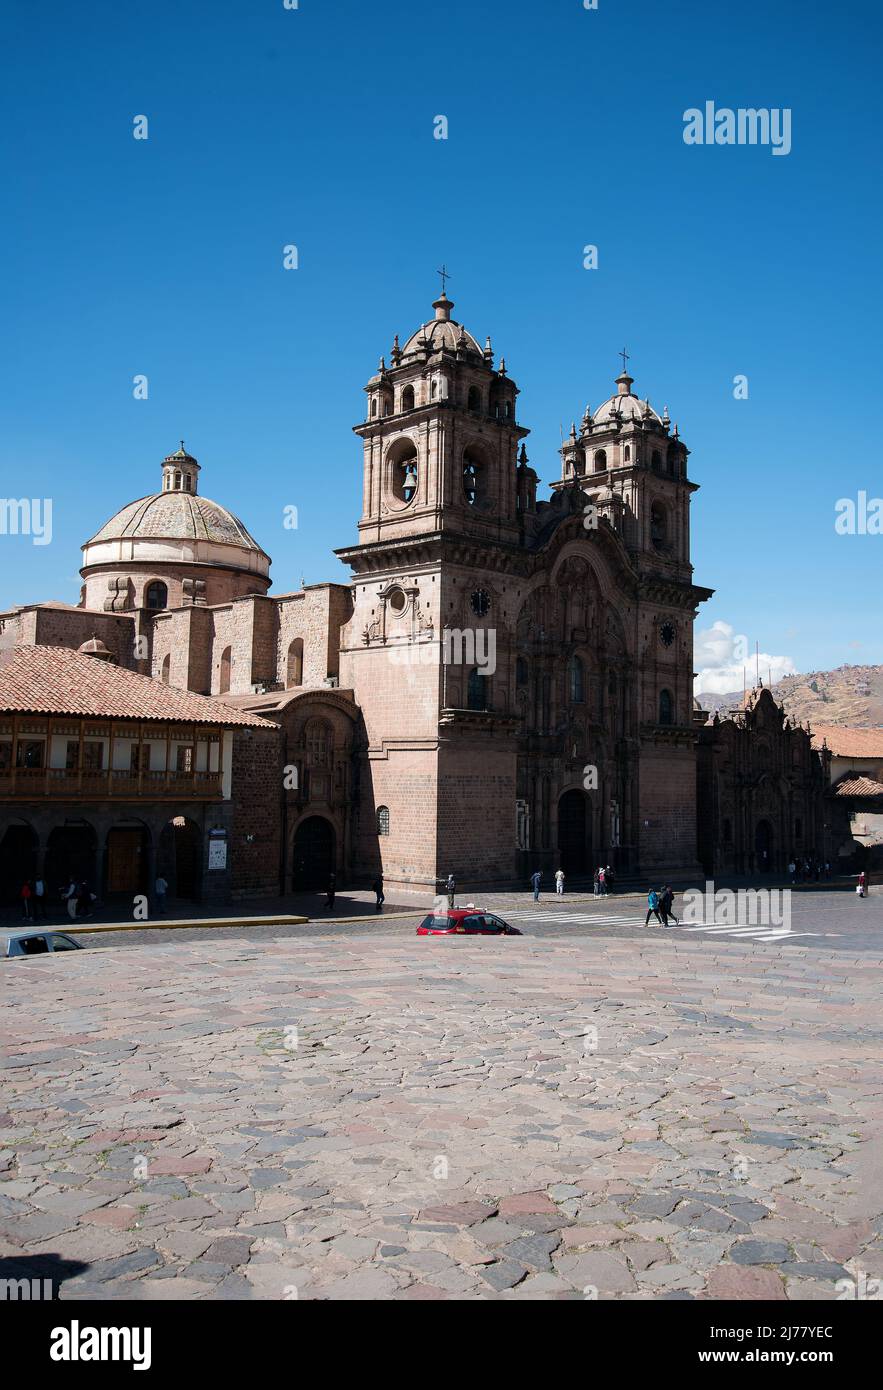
{"type": "Point", "coordinates": [315, 127]}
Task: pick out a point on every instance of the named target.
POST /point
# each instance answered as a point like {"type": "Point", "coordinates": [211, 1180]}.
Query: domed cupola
{"type": "Point", "coordinates": [180, 472]}
{"type": "Point", "coordinates": [172, 549]}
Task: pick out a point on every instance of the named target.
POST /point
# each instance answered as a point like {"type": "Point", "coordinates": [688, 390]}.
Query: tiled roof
{"type": "Point", "coordinates": [849, 742]}
{"type": "Point", "coordinates": [858, 786]}
{"type": "Point", "coordinates": [177, 516]}
{"type": "Point", "coordinates": [55, 680]}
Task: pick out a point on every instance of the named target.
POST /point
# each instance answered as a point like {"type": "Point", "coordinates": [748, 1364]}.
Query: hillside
{"type": "Point", "coordinates": [850, 695]}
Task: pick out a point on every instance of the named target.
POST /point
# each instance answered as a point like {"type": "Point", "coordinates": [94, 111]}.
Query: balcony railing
{"type": "Point", "coordinates": [84, 784]}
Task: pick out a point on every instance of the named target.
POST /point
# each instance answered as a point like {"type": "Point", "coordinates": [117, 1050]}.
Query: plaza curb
{"type": "Point", "coordinates": [193, 923]}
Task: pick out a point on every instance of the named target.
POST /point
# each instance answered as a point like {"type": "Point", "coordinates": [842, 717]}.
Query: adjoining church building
{"type": "Point", "coordinates": [505, 684]}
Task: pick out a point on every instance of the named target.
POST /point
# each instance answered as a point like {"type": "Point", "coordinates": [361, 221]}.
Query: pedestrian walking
{"type": "Point", "coordinates": [792, 871]}
{"type": "Point", "coordinates": [862, 884]}
{"type": "Point", "coordinates": [652, 907]}
{"type": "Point", "coordinates": [536, 879]}
{"type": "Point", "coordinates": [84, 901]}
{"type": "Point", "coordinates": [25, 895]}
{"type": "Point", "coordinates": [609, 877]}
{"type": "Point", "coordinates": [666, 902]}
{"type": "Point", "coordinates": [332, 886]}
{"type": "Point", "coordinates": [377, 889]}
{"type": "Point", "coordinates": [451, 889]}
{"type": "Point", "coordinates": [559, 882]}
{"type": "Point", "coordinates": [160, 889]}
{"type": "Point", "coordinates": [38, 902]}
{"type": "Point", "coordinates": [602, 882]}
{"type": "Point", "coordinates": [597, 883]}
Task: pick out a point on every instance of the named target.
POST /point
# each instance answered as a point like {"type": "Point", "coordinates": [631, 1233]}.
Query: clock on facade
{"type": "Point", "coordinates": [667, 634]}
{"type": "Point", "coordinates": [481, 602]}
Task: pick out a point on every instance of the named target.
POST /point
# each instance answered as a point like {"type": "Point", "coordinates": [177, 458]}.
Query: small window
{"type": "Point", "coordinates": [666, 707]}
{"type": "Point", "coordinates": [226, 663]}
{"type": "Point", "coordinates": [165, 670]}
{"type": "Point", "coordinates": [601, 461]}
{"type": "Point", "coordinates": [408, 398]}
{"type": "Point", "coordinates": [382, 820]}
{"type": "Point", "coordinates": [477, 691]}
{"type": "Point", "coordinates": [474, 400]}
{"type": "Point", "coordinates": [294, 671]}
{"type": "Point", "coordinates": [627, 453]}
{"type": "Point", "coordinates": [30, 753]}
{"type": "Point", "coordinates": [373, 408]}
{"type": "Point", "coordinates": [156, 596]}
{"type": "Point", "coordinates": [577, 681]}
{"type": "Point", "coordinates": [656, 461]}
{"type": "Point", "coordinates": [71, 755]}
{"type": "Point", "coordinates": [658, 526]}
{"type": "Point", "coordinates": [63, 943]}
{"type": "Point", "coordinates": [139, 757]}
{"type": "Point", "coordinates": [93, 755]}
{"type": "Point", "coordinates": [184, 757]}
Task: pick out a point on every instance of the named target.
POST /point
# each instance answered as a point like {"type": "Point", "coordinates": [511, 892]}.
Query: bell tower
{"type": "Point", "coordinates": [440, 438]}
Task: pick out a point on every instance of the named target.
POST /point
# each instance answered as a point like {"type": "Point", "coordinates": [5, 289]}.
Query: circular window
{"type": "Point", "coordinates": [481, 602]}
{"type": "Point", "coordinates": [397, 601]}
{"type": "Point", "coordinates": [667, 634]}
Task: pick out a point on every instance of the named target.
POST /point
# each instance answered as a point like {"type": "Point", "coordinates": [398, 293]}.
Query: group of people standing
{"type": "Point", "coordinates": [77, 897]}
{"type": "Point", "coordinates": [808, 870]}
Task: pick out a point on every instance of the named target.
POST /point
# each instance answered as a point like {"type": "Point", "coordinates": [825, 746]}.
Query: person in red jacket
{"type": "Point", "coordinates": [25, 895]}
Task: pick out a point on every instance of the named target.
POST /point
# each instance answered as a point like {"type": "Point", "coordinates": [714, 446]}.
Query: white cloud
{"type": "Point", "coordinates": [720, 654]}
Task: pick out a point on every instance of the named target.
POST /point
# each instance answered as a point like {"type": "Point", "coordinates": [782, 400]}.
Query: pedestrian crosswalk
{"type": "Point", "coordinates": [524, 917]}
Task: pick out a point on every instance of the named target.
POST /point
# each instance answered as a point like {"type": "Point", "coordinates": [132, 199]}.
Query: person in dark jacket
{"type": "Point", "coordinates": [666, 902]}
{"type": "Point", "coordinates": [377, 888]}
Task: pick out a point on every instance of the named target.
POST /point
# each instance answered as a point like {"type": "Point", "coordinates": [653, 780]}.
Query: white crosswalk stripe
{"type": "Point", "coordinates": [606, 919]}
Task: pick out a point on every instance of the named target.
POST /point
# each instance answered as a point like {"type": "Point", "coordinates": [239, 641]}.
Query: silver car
{"type": "Point", "coordinates": [28, 942]}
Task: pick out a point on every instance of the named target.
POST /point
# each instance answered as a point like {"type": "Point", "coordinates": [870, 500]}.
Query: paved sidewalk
{"type": "Point", "coordinates": [375, 1117]}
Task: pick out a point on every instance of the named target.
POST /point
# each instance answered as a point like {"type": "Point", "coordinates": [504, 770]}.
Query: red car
{"type": "Point", "coordinates": [466, 921]}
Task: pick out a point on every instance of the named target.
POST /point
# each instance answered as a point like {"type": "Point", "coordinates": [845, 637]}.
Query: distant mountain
{"type": "Point", "coordinates": [850, 695]}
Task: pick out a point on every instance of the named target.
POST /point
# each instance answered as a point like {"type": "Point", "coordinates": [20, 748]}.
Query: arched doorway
{"type": "Point", "coordinates": [127, 859]}
{"type": "Point", "coordinates": [313, 854]}
{"type": "Point", "coordinates": [70, 854]}
{"type": "Point", "coordinates": [180, 858]}
{"type": "Point", "coordinates": [763, 847]}
{"type": "Point", "coordinates": [18, 859]}
{"type": "Point", "coordinates": [574, 833]}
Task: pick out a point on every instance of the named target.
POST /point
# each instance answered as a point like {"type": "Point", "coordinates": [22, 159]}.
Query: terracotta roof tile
{"type": "Point", "coordinates": [858, 786]}
{"type": "Point", "coordinates": [55, 680]}
{"type": "Point", "coordinates": [848, 742]}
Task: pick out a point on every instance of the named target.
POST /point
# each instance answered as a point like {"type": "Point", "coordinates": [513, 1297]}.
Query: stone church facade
{"type": "Point", "coordinates": [505, 684]}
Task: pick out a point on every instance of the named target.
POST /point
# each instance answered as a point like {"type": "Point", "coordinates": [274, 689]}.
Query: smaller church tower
{"type": "Point", "coordinates": [440, 438]}
{"type": "Point", "coordinates": [180, 472]}
{"type": "Point", "coordinates": [633, 466]}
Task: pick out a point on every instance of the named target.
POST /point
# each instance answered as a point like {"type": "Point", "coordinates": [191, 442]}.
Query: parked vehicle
{"type": "Point", "coordinates": [36, 943]}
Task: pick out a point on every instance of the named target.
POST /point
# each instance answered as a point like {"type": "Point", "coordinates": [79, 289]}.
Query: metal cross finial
{"type": "Point", "coordinates": [444, 275]}
{"type": "Point", "coordinates": [625, 357]}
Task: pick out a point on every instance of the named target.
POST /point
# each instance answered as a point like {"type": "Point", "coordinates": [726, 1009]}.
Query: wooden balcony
{"type": "Point", "coordinates": [81, 784]}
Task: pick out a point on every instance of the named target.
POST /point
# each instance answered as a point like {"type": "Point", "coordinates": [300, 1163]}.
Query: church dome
{"type": "Point", "coordinates": [441, 332]}
{"type": "Point", "coordinates": [177, 516]}
{"type": "Point", "coordinates": [624, 406]}
{"type": "Point", "coordinates": [173, 545]}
